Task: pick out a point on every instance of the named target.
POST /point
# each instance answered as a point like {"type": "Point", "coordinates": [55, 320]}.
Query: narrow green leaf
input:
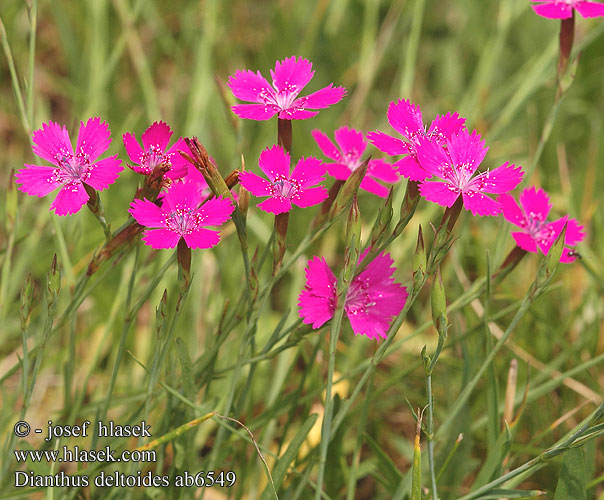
{"type": "Point", "coordinates": [571, 483]}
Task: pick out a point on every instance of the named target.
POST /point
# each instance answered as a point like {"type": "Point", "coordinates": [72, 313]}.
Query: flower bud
{"type": "Point", "coordinates": [383, 220]}
{"type": "Point", "coordinates": [439, 304]}
{"type": "Point", "coordinates": [27, 297]}
{"type": "Point", "coordinates": [349, 189]}
{"type": "Point", "coordinates": [353, 239]}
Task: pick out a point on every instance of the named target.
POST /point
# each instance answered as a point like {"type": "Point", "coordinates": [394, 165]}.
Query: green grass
{"type": "Point", "coordinates": [231, 387]}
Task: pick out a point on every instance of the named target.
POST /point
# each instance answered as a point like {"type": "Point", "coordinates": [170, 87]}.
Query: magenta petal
{"type": "Point", "coordinates": [133, 148]}
{"type": "Point", "coordinates": [327, 147]}
{"type": "Point", "coordinates": [411, 169]}
{"type": "Point", "coordinates": [445, 126]}
{"type": "Point", "coordinates": [308, 171]}
{"type": "Point", "coordinates": [466, 149]}
{"type": "Point", "coordinates": [294, 113]}
{"type": "Point", "coordinates": [438, 192]}
{"type": "Point", "coordinates": [590, 9]}
{"type": "Point", "coordinates": [553, 10]}
{"type": "Point", "coordinates": [104, 172]}
{"type": "Point", "coordinates": [372, 186]}
{"type": "Point", "coordinates": [317, 299]}
{"type": "Point", "coordinates": [157, 135]}
{"type": "Point", "coordinates": [382, 170]}
{"type": "Point", "coordinates": [535, 203]}
{"type": "Point", "coordinates": [255, 184]}
{"type": "Point", "coordinates": [161, 238]}
{"type": "Point", "coordinates": [94, 138]}
{"type": "Point", "coordinates": [274, 162]}
{"type": "Point", "coordinates": [70, 199]}
{"type": "Point", "coordinates": [37, 180]}
{"type": "Point", "coordinates": [566, 257]}
{"type": "Point", "coordinates": [52, 142]}
{"type": "Point", "coordinates": [215, 212]}
{"type": "Point", "coordinates": [147, 213]}
{"type": "Point", "coordinates": [290, 76]}
{"type": "Point", "coordinates": [323, 98]}
{"type": "Point", "coordinates": [182, 196]}
{"type": "Point", "coordinates": [388, 144]}
{"type": "Point", "coordinates": [480, 204]}
{"type": "Point", "coordinates": [574, 232]}
{"type": "Point", "coordinates": [368, 325]}
{"type": "Point", "coordinates": [351, 142]}
{"type": "Point", "coordinates": [433, 159]}
{"type": "Point", "coordinates": [314, 310]}
{"type": "Point", "coordinates": [498, 181]}
{"type": "Point", "coordinates": [180, 166]}
{"type": "Point", "coordinates": [276, 205]}
{"type": "Point", "coordinates": [511, 211]}
{"type": "Point", "coordinates": [406, 118]}
{"type": "Point", "coordinates": [310, 197]}
{"type": "Point", "coordinates": [339, 171]}
{"type": "Point", "coordinates": [202, 238]}
{"type": "Point", "coordinates": [255, 111]}
{"type": "Point", "coordinates": [525, 241]}
{"type": "Point", "coordinates": [249, 86]}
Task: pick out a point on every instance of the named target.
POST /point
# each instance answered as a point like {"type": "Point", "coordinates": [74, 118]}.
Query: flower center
{"type": "Point", "coordinates": [358, 299]}
{"type": "Point", "coordinates": [283, 98]}
{"type": "Point", "coordinates": [182, 220]}
{"type": "Point", "coordinates": [285, 188]}
{"type": "Point", "coordinates": [539, 229]}
{"type": "Point", "coordinates": [153, 157]}
{"type": "Point", "coordinates": [72, 168]}
{"type": "Point", "coordinates": [351, 159]}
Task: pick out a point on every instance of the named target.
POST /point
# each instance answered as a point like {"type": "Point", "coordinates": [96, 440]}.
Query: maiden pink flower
{"type": "Point", "coordinates": [406, 118]}
{"type": "Point", "coordinates": [181, 216]}
{"type": "Point", "coordinates": [563, 9]}
{"type": "Point", "coordinates": [290, 76]}
{"type": "Point", "coordinates": [72, 169]}
{"type": "Point", "coordinates": [282, 187]}
{"type": "Point", "coordinates": [455, 164]}
{"type": "Point", "coordinates": [373, 297]}
{"type": "Point", "coordinates": [347, 158]}
{"type": "Point", "coordinates": [536, 232]}
{"type": "Point", "coordinates": [153, 153]}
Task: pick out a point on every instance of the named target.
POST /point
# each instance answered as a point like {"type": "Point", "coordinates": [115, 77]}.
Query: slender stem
{"type": "Point", "coordinates": [430, 436]}
{"type": "Point", "coordinates": [284, 134]}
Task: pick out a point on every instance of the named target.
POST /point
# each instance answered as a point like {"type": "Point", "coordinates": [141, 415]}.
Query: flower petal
{"type": "Point", "coordinates": [467, 150]}
{"type": "Point", "coordinates": [321, 99]}
{"type": "Point", "coordinates": [290, 76]}
{"type": "Point", "coordinates": [445, 126]}
{"type": "Point", "coordinates": [351, 143]}
{"type": "Point", "coordinates": [147, 214]}
{"type": "Point", "coordinates": [294, 113]}
{"type": "Point", "coordinates": [327, 147]}
{"type": "Point", "coordinates": [381, 169]}
{"type": "Point", "coordinates": [498, 181]}
{"type": "Point", "coordinates": [411, 169]}
{"type": "Point", "coordinates": [553, 10]}
{"type": "Point", "coordinates": [276, 205]}
{"type": "Point", "coordinates": [308, 171]}
{"type": "Point", "coordinates": [339, 171]}
{"type": "Point", "coordinates": [535, 203]}
{"type": "Point", "coordinates": [374, 187]}
{"type": "Point", "coordinates": [52, 142]}
{"type": "Point", "coordinates": [274, 161]}
{"type": "Point", "coordinates": [157, 135]}
{"type": "Point", "coordinates": [249, 86]}
{"type": "Point", "coordinates": [433, 159]}
{"type": "Point", "coordinates": [590, 9]}
{"type": "Point", "coordinates": [525, 241]}
{"type": "Point", "coordinates": [202, 238]}
{"type": "Point", "coordinates": [104, 172]}
{"type": "Point", "coordinates": [180, 165]}
{"type": "Point", "coordinates": [480, 204]}
{"type": "Point", "coordinates": [511, 211]}
{"type": "Point", "coordinates": [37, 180]}
{"type": "Point", "coordinates": [215, 212]}
{"type": "Point", "coordinates": [438, 192]}
{"type": "Point", "coordinates": [161, 238]}
{"type": "Point", "coordinates": [182, 196]}
{"type": "Point", "coordinates": [133, 148]}
{"type": "Point", "coordinates": [574, 232]}
{"type": "Point", "coordinates": [406, 118]}
{"type": "Point", "coordinates": [94, 138]}
{"type": "Point", "coordinates": [70, 199]}
{"type": "Point", "coordinates": [388, 144]}
{"type": "Point", "coordinates": [310, 197]}
{"type": "Point", "coordinates": [255, 184]}
{"type": "Point", "coordinates": [317, 299]}
{"type": "Point", "coordinates": [255, 111]}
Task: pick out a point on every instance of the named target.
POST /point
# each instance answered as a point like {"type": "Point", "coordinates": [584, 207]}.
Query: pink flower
{"type": "Point", "coordinates": [289, 78]}
{"type": "Point", "coordinates": [347, 157]}
{"type": "Point", "coordinates": [283, 187]}
{"type": "Point", "coordinates": [406, 118]}
{"type": "Point", "coordinates": [181, 215]}
{"type": "Point", "coordinates": [71, 170]}
{"type": "Point", "coordinates": [455, 164]}
{"type": "Point", "coordinates": [563, 9]}
{"type": "Point", "coordinates": [373, 297]}
{"type": "Point", "coordinates": [153, 153]}
{"type": "Point", "coordinates": [536, 231]}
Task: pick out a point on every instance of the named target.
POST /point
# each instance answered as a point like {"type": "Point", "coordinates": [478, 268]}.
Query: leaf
{"type": "Point", "coordinates": [571, 483]}
{"type": "Point", "coordinates": [503, 493]}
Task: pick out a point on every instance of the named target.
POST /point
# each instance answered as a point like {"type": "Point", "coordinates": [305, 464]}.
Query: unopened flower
{"type": "Point", "coordinates": [181, 215]}
{"type": "Point", "coordinates": [72, 169]}
{"type": "Point", "coordinates": [290, 76]}
{"type": "Point", "coordinates": [373, 297]}
{"type": "Point", "coordinates": [347, 156]}
{"type": "Point", "coordinates": [282, 187]}
{"type": "Point", "coordinates": [563, 9]}
{"type": "Point", "coordinates": [155, 151]}
{"type": "Point", "coordinates": [536, 232]}
{"type": "Point", "coordinates": [456, 164]}
{"type": "Point", "coordinates": [406, 118]}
